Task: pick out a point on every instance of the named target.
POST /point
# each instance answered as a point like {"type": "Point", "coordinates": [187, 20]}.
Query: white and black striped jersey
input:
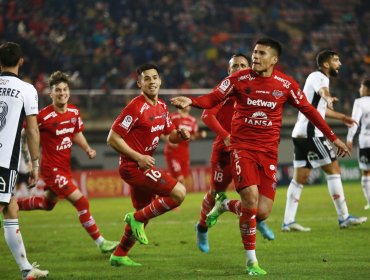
{"type": "Point", "coordinates": [17, 100]}
{"type": "Point", "coordinates": [361, 114]}
{"type": "Point", "coordinates": [314, 82]}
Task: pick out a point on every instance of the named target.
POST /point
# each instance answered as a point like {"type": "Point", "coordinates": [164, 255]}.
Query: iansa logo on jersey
{"type": "Point", "coordinates": [261, 103]}
{"type": "Point", "coordinates": [154, 145]}
{"type": "Point", "coordinates": [64, 131]}
{"type": "Point", "coordinates": [126, 122]}
{"type": "Point", "coordinates": [258, 119]}
{"type": "Point", "coordinates": [66, 144]}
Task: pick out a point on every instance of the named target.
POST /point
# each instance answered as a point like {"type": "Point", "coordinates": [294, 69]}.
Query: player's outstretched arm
{"type": "Point", "coordinates": [181, 101]}
{"type": "Point", "coordinates": [81, 141]}
{"type": "Point", "coordinates": [347, 120]}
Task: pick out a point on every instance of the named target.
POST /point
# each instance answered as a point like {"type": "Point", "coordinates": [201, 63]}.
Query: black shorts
{"type": "Point", "coordinates": [364, 158]}
{"type": "Point", "coordinates": [23, 178]}
{"type": "Point", "coordinates": [8, 178]}
{"type": "Point", "coordinates": [312, 152]}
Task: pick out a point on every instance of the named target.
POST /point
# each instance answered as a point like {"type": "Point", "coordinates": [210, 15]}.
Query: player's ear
{"type": "Point", "coordinates": [326, 64]}
{"type": "Point", "coordinates": [138, 84]}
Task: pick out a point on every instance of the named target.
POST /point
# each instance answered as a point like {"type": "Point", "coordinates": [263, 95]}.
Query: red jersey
{"type": "Point", "coordinates": [141, 124]}
{"type": "Point", "coordinates": [181, 150]}
{"type": "Point", "coordinates": [259, 103]}
{"type": "Point", "coordinates": [219, 120]}
{"type": "Point", "coordinates": [57, 131]}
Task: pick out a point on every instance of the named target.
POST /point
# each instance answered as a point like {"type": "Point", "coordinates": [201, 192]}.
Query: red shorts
{"type": "Point", "coordinates": [60, 184]}
{"type": "Point", "coordinates": [221, 171]}
{"type": "Point", "coordinates": [178, 166]}
{"type": "Point", "coordinates": [145, 185]}
{"type": "Point", "coordinates": [255, 168]}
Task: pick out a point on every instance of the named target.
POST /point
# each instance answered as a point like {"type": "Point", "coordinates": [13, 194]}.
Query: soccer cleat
{"type": "Point", "coordinates": [35, 273]}
{"type": "Point", "coordinates": [217, 210]}
{"type": "Point", "coordinates": [265, 230]}
{"type": "Point", "coordinates": [254, 269]}
{"type": "Point", "coordinates": [122, 261]}
{"type": "Point", "coordinates": [108, 246]}
{"type": "Point", "coordinates": [294, 227]}
{"type": "Point", "coordinates": [351, 221]}
{"type": "Point", "coordinates": [202, 240]}
{"type": "Point", "coordinates": [367, 206]}
{"type": "Point", "coordinates": [137, 228]}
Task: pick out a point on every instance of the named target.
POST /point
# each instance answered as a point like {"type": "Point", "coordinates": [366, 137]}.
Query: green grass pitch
{"type": "Point", "coordinates": [58, 243]}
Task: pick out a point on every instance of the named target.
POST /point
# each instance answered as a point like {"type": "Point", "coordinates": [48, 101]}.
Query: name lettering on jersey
{"type": "Point", "coordinates": [145, 107]}
{"type": "Point", "coordinates": [286, 83]}
{"type": "Point", "coordinates": [64, 131]}
{"type": "Point", "coordinates": [50, 115]}
{"type": "Point", "coordinates": [126, 122]}
{"type": "Point", "coordinates": [263, 91]}
{"type": "Point", "coordinates": [157, 128]}
{"type": "Point", "coordinates": [261, 103]}
{"type": "Point", "coordinates": [297, 96]}
{"type": "Point", "coordinates": [66, 144]}
{"type": "Point", "coordinates": [153, 146]}
{"type": "Point", "coordinates": [11, 92]}
{"type": "Point", "coordinates": [248, 77]}
{"type": "Point", "coordinates": [258, 118]}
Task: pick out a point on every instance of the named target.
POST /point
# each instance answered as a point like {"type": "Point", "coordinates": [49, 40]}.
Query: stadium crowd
{"type": "Point", "coordinates": [101, 42]}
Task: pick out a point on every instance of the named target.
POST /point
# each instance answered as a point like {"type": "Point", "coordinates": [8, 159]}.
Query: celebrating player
{"type": "Point", "coordinates": [177, 155]}
{"type": "Point", "coordinates": [60, 125]}
{"type": "Point", "coordinates": [219, 120]}
{"type": "Point", "coordinates": [18, 100]}
{"type": "Point", "coordinates": [135, 135]}
{"type": "Point", "coordinates": [312, 150]}
{"type": "Point", "coordinates": [361, 114]}
{"type": "Point", "coordinates": [260, 94]}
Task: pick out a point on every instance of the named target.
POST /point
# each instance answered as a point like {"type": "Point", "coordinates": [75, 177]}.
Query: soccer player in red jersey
{"type": "Point", "coordinates": [177, 155]}
{"type": "Point", "coordinates": [260, 94]}
{"type": "Point", "coordinates": [219, 120]}
{"type": "Point", "coordinates": [135, 135]}
{"type": "Point", "coordinates": [60, 125]}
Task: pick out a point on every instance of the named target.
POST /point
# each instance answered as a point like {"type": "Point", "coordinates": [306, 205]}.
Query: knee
{"type": "Point", "coordinates": [178, 193]}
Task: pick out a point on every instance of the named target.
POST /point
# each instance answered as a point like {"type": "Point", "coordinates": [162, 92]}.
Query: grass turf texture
{"type": "Point", "coordinates": [58, 243]}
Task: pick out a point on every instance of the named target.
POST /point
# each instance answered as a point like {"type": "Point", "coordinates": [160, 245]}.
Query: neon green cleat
{"type": "Point", "coordinates": [122, 261]}
{"type": "Point", "coordinates": [254, 269]}
{"type": "Point", "coordinates": [108, 246]}
{"type": "Point", "coordinates": [217, 210]}
{"type": "Point", "coordinates": [137, 228]}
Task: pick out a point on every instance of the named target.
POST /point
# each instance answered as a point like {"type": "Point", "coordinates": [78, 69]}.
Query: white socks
{"type": "Point", "coordinates": [335, 188]}
{"type": "Point", "coordinates": [292, 200]}
{"type": "Point", "coordinates": [99, 240]}
{"type": "Point", "coordinates": [365, 182]}
{"type": "Point", "coordinates": [14, 240]}
{"type": "Point", "coordinates": [251, 256]}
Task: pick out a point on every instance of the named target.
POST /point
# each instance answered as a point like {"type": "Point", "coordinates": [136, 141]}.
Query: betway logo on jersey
{"type": "Point", "coordinates": [65, 130]}
{"type": "Point", "coordinates": [258, 119]}
{"type": "Point", "coordinates": [261, 103]}
{"type": "Point", "coordinates": [286, 83]}
{"type": "Point", "coordinates": [66, 144]}
{"type": "Point", "coordinates": [157, 128]}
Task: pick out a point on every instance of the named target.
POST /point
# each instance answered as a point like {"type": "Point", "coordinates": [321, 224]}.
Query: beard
{"type": "Point", "coordinates": [333, 72]}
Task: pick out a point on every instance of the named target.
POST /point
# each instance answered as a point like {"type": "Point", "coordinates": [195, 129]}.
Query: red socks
{"type": "Point", "coordinates": [86, 220]}
{"type": "Point", "coordinates": [207, 205]}
{"type": "Point", "coordinates": [247, 225]}
{"type": "Point", "coordinates": [35, 202]}
{"type": "Point", "coordinates": [156, 208]}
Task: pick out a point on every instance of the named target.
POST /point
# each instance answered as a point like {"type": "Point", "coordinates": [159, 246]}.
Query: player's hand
{"type": "Point", "coordinates": [348, 121]}
{"type": "Point", "coordinates": [203, 134]}
{"type": "Point", "coordinates": [33, 178]}
{"type": "Point", "coordinates": [343, 150]}
{"type": "Point", "coordinates": [330, 100]}
{"type": "Point", "coordinates": [184, 134]}
{"type": "Point", "coordinates": [181, 102]}
{"type": "Point", "coordinates": [146, 162]}
{"type": "Point", "coordinates": [227, 141]}
{"type": "Point", "coordinates": [350, 145]}
{"type": "Point", "coordinates": [91, 153]}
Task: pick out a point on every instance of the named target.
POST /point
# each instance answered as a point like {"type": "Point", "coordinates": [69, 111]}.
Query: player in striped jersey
{"type": "Point", "coordinates": [18, 100]}
{"type": "Point", "coordinates": [361, 114]}
{"type": "Point", "coordinates": [312, 149]}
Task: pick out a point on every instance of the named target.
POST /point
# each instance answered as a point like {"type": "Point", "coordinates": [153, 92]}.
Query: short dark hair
{"type": "Point", "coordinates": [146, 66]}
{"type": "Point", "coordinates": [271, 43]}
{"type": "Point", "coordinates": [240, 55]}
{"type": "Point", "coordinates": [366, 83]}
{"type": "Point", "coordinates": [58, 77]}
{"type": "Point", "coordinates": [323, 56]}
{"type": "Point", "coordinates": [10, 54]}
